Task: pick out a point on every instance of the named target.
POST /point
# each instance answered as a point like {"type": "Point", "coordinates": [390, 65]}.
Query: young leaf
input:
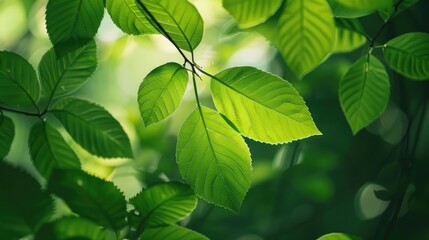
{"type": "Point", "coordinates": [338, 236]}
{"type": "Point", "coordinates": [364, 92]}
{"type": "Point", "coordinates": [73, 20]}
{"type": "Point", "coordinates": [90, 197]}
{"type": "Point", "coordinates": [161, 92]}
{"type": "Point", "coordinates": [404, 5]}
{"type": "Point", "coordinates": [349, 35]}
{"type": "Point", "coordinates": [126, 15]}
{"type": "Point", "coordinates": [250, 13]}
{"type": "Point", "coordinates": [61, 75]}
{"type": "Point", "coordinates": [408, 55]}
{"type": "Point", "coordinates": [18, 82]}
{"type": "Point", "coordinates": [24, 207]}
{"type": "Point", "coordinates": [179, 18]}
{"type": "Point", "coordinates": [263, 107]}
{"type": "Point", "coordinates": [92, 127]}
{"type": "Point", "coordinates": [70, 228]}
{"type": "Point", "coordinates": [163, 204]}
{"type": "Point", "coordinates": [366, 5]}
{"type": "Point", "coordinates": [48, 150]}
{"type": "Point", "coordinates": [7, 133]}
{"type": "Point", "coordinates": [171, 232]}
{"type": "Point", "coordinates": [214, 159]}
{"type": "Point", "coordinates": [306, 34]}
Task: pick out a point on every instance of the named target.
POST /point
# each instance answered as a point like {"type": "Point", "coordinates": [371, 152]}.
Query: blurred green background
{"type": "Point", "coordinates": [300, 190]}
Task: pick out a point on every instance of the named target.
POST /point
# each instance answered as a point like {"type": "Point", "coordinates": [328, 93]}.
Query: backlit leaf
{"type": "Point", "coordinates": [342, 11]}
{"type": "Point", "coordinates": [214, 159]}
{"type": "Point", "coordinates": [306, 34]}
{"type": "Point", "coordinates": [338, 236]}
{"type": "Point", "coordinates": [408, 55]}
{"type": "Point", "coordinates": [262, 106]}
{"type": "Point", "coordinates": [161, 92]}
{"type": "Point", "coordinates": [70, 228]}
{"type": "Point", "coordinates": [364, 92]}
{"type": "Point", "coordinates": [93, 128]}
{"type": "Point", "coordinates": [172, 232]}
{"type": "Point", "coordinates": [7, 133]}
{"type": "Point", "coordinates": [349, 35]}
{"type": "Point", "coordinates": [366, 5]}
{"type": "Point", "coordinates": [404, 5]}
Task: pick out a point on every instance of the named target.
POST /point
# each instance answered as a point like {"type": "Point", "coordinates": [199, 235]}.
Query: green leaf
{"type": "Point", "coordinates": [127, 16]}
{"type": "Point", "coordinates": [306, 34]}
{"type": "Point", "coordinates": [250, 13]}
{"type": "Point", "coordinates": [364, 92]}
{"type": "Point", "coordinates": [263, 106]}
{"type": "Point", "coordinates": [163, 204]}
{"type": "Point", "coordinates": [90, 197]}
{"type": "Point", "coordinates": [62, 75]}
{"type": "Point", "coordinates": [24, 207]}
{"type": "Point", "coordinates": [214, 159]}
{"type": "Point", "coordinates": [73, 19]}
{"type": "Point", "coordinates": [48, 150]}
{"type": "Point", "coordinates": [404, 5]}
{"type": "Point", "coordinates": [347, 12]}
{"type": "Point", "coordinates": [18, 82]}
{"type": "Point", "coordinates": [349, 35]}
{"type": "Point", "coordinates": [161, 92]}
{"type": "Point", "coordinates": [93, 128]}
{"type": "Point", "coordinates": [338, 236]}
{"type": "Point", "coordinates": [180, 19]}
{"type": "Point", "coordinates": [408, 55]}
{"type": "Point", "coordinates": [7, 133]}
{"type": "Point", "coordinates": [366, 5]}
{"type": "Point", "coordinates": [70, 228]}
{"type": "Point", "coordinates": [172, 232]}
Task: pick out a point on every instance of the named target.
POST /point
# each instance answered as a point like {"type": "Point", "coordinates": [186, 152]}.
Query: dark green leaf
{"type": "Point", "coordinates": [24, 207]}
{"type": "Point", "coordinates": [404, 5]}
{"type": "Point", "coordinates": [7, 133]}
{"type": "Point", "coordinates": [214, 159]}
{"type": "Point", "coordinates": [161, 92]}
{"type": "Point", "coordinates": [92, 127]}
{"type": "Point", "coordinates": [18, 82]}
{"type": "Point", "coordinates": [48, 150]}
{"type": "Point", "coordinates": [172, 232]}
{"type": "Point", "coordinates": [90, 197]}
{"type": "Point", "coordinates": [349, 35]}
{"type": "Point", "coordinates": [339, 236]}
{"type": "Point", "coordinates": [70, 228]}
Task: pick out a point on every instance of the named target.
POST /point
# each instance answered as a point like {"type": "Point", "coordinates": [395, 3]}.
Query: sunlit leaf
{"type": "Point", "coordinates": [24, 207]}
{"type": "Point", "coordinates": [18, 82]}
{"type": "Point", "coordinates": [339, 236]}
{"type": "Point", "coordinates": [349, 35]}
{"type": "Point", "coordinates": [61, 75]}
{"type": "Point", "coordinates": [163, 204]}
{"type": "Point", "coordinates": [249, 13]}
{"type": "Point", "coordinates": [70, 228]}
{"type": "Point", "coordinates": [364, 92]}
{"type": "Point", "coordinates": [90, 197]}
{"type": "Point", "coordinates": [92, 127]}
{"type": "Point", "coordinates": [48, 150]}
{"type": "Point", "coordinates": [262, 106]}
{"type": "Point", "coordinates": [306, 34]}
{"type": "Point", "coordinates": [161, 92]}
{"type": "Point", "coordinates": [179, 18]}
{"type": "Point", "coordinates": [342, 11]}
{"type": "Point", "coordinates": [126, 15]}
{"type": "Point", "coordinates": [404, 5]}
{"type": "Point", "coordinates": [366, 5]}
{"type": "Point", "coordinates": [214, 159]}
{"type": "Point", "coordinates": [73, 20]}
{"type": "Point", "coordinates": [7, 133]}
{"type": "Point", "coordinates": [408, 55]}
{"type": "Point", "coordinates": [172, 232]}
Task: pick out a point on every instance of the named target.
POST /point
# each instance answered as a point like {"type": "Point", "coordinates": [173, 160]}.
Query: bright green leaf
{"type": "Point", "coordinates": [408, 55]}
{"type": "Point", "coordinates": [7, 133]}
{"type": "Point", "coordinates": [48, 150]}
{"type": "Point", "coordinates": [73, 19]}
{"type": "Point", "coordinates": [249, 13]}
{"type": "Point", "coordinates": [163, 204]}
{"type": "Point", "coordinates": [214, 159]}
{"type": "Point", "coordinates": [126, 15]}
{"type": "Point", "coordinates": [18, 82]}
{"type": "Point", "coordinates": [172, 232]}
{"type": "Point", "coordinates": [404, 5]}
{"type": "Point", "coordinates": [338, 236]}
{"type": "Point", "coordinates": [349, 35]}
{"type": "Point", "coordinates": [179, 18]}
{"type": "Point", "coordinates": [342, 11]}
{"type": "Point", "coordinates": [364, 92]}
{"type": "Point", "coordinates": [61, 75]}
{"type": "Point", "coordinates": [90, 197]}
{"type": "Point", "coordinates": [92, 127]}
{"type": "Point", "coordinates": [24, 207]}
{"type": "Point", "coordinates": [161, 92]}
{"type": "Point", "coordinates": [366, 5]}
{"type": "Point", "coordinates": [70, 228]}
{"type": "Point", "coordinates": [306, 34]}
{"type": "Point", "coordinates": [263, 106]}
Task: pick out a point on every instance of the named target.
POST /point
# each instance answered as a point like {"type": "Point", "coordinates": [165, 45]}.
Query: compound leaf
{"type": "Point", "coordinates": [70, 228]}
{"type": "Point", "coordinates": [7, 133]}
{"type": "Point", "coordinates": [171, 232]}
